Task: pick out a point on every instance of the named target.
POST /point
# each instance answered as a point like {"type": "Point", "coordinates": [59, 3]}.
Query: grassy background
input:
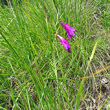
{"type": "Point", "coordinates": [36, 72]}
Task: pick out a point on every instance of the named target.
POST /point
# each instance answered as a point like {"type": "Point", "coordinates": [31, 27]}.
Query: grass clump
{"type": "Point", "coordinates": [36, 72]}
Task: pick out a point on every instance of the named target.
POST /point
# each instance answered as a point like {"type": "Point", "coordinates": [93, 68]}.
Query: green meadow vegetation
{"type": "Point", "coordinates": [36, 72]}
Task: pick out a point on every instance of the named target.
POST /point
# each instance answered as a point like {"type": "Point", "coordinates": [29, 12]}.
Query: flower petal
{"type": "Point", "coordinates": [70, 34]}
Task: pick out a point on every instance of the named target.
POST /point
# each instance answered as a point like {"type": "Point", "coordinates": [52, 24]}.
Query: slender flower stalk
{"type": "Point", "coordinates": [69, 30]}
{"type": "Point", "coordinates": [65, 43]}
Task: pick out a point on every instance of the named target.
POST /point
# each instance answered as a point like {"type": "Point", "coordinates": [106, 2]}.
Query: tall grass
{"type": "Point", "coordinates": [36, 72]}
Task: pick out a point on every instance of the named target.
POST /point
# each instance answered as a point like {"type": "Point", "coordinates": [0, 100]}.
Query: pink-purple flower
{"type": "Point", "coordinates": [65, 43]}
{"type": "Point", "coordinates": [69, 30]}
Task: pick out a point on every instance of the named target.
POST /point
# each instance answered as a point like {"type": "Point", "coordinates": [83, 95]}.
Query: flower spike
{"type": "Point", "coordinates": [65, 43]}
{"type": "Point", "coordinates": [69, 30]}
